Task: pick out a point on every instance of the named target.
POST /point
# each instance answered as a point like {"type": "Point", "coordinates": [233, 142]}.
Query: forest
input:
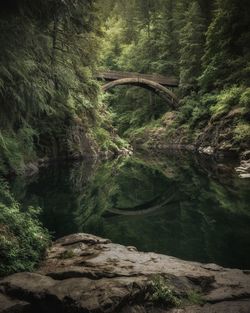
{"type": "Point", "coordinates": [205, 45]}
{"type": "Point", "coordinates": [53, 107]}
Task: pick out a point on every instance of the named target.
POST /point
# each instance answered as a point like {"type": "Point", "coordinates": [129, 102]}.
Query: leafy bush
{"type": "Point", "coordinates": [108, 142]}
{"type": "Point", "coordinates": [186, 110]}
{"type": "Point", "coordinates": [245, 98]}
{"type": "Point", "coordinates": [194, 109]}
{"type": "Point", "coordinates": [226, 100]}
{"type": "Point", "coordinates": [242, 132]}
{"type": "Point", "coordinates": [10, 154]}
{"type": "Point", "coordinates": [23, 240]}
{"type": "Point", "coordinates": [163, 292]}
{"type": "Point", "coordinates": [16, 149]}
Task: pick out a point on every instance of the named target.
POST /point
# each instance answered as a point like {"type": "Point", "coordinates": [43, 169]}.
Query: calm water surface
{"type": "Point", "coordinates": [178, 205]}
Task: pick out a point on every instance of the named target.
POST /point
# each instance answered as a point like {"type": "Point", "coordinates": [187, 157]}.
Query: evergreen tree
{"type": "Point", "coordinates": [49, 50]}
{"type": "Point", "coordinates": [227, 54]}
{"type": "Point", "coordinates": [162, 41]}
{"type": "Point", "coordinates": [191, 48]}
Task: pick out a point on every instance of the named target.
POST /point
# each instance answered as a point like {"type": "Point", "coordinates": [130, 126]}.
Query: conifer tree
{"type": "Point", "coordinates": [191, 48]}
{"type": "Point", "coordinates": [227, 54]}
{"type": "Point", "coordinates": [48, 52]}
{"type": "Point", "coordinates": [165, 43]}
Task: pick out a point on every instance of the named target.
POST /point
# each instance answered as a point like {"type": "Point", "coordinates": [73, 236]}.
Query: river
{"type": "Point", "coordinates": [180, 205]}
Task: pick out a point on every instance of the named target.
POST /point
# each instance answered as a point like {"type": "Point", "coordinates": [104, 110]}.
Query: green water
{"type": "Point", "coordinates": [179, 205]}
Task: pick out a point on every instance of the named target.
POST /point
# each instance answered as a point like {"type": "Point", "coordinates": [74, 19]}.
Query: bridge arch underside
{"type": "Point", "coordinates": [160, 90]}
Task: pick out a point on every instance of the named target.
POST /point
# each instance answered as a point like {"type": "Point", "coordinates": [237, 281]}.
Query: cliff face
{"type": "Point", "coordinates": [85, 273]}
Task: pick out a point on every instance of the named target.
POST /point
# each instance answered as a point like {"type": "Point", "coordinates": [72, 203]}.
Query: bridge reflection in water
{"type": "Point", "coordinates": [194, 209]}
{"type": "Point", "coordinates": [144, 209]}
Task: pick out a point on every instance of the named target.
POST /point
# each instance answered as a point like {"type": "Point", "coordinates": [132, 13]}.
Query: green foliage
{"type": "Point", "coordinates": [187, 108]}
{"type": "Point", "coordinates": [17, 148]}
{"type": "Point", "coordinates": [164, 37]}
{"type": "Point", "coordinates": [10, 153]}
{"type": "Point", "coordinates": [245, 98]}
{"type": "Point", "coordinates": [226, 58]}
{"type": "Point", "coordinates": [226, 100]}
{"type": "Point", "coordinates": [47, 87]}
{"type": "Point", "coordinates": [67, 254]}
{"type": "Point", "coordinates": [191, 48]}
{"type": "Point", "coordinates": [194, 109]}
{"type": "Point", "coordinates": [195, 298]}
{"type": "Point", "coordinates": [162, 292]}
{"type": "Point", "coordinates": [200, 198]}
{"type": "Point", "coordinates": [141, 37]}
{"type": "Point", "coordinates": [197, 109]}
{"type": "Point", "coordinates": [204, 44]}
{"type": "Point", "coordinates": [242, 132]}
{"type": "Point", "coordinates": [23, 240]}
{"type": "Point", "coordinates": [108, 142]}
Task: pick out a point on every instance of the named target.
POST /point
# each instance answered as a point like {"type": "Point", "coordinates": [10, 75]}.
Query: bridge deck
{"type": "Point", "coordinates": [160, 79]}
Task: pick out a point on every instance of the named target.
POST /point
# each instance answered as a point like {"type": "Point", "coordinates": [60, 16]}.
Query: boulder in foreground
{"type": "Point", "coordinates": [85, 273]}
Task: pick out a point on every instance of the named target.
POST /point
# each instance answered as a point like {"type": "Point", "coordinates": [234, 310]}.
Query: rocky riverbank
{"type": "Point", "coordinates": [216, 136]}
{"type": "Point", "coordinates": [32, 168]}
{"type": "Point", "coordinates": [85, 273]}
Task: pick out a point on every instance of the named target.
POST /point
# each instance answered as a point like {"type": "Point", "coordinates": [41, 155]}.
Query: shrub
{"type": "Point", "coordinates": [162, 292]}
{"type": "Point", "coordinates": [23, 240]}
{"type": "Point", "coordinates": [107, 142]}
{"type": "Point", "coordinates": [242, 132]}
{"type": "Point", "coordinates": [186, 110]}
{"type": "Point", "coordinates": [226, 100]}
{"type": "Point", "coordinates": [16, 149]}
{"type": "Point", "coordinates": [10, 154]}
{"type": "Point", "coordinates": [245, 98]}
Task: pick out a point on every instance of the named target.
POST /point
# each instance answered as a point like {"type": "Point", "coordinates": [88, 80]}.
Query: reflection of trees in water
{"type": "Point", "coordinates": [81, 172]}
{"type": "Point", "coordinates": [181, 205]}
{"type": "Point", "coordinates": [208, 219]}
{"type": "Point", "coordinates": [124, 184]}
{"type": "Point", "coordinates": [80, 177]}
{"type": "Point", "coordinates": [146, 208]}
{"type": "Point", "coordinates": [96, 197]}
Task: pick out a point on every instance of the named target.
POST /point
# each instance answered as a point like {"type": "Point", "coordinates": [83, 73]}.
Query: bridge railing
{"type": "Point", "coordinates": [160, 79]}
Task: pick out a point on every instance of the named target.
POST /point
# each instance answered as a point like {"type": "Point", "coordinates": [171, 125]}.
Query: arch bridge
{"type": "Point", "coordinates": [157, 83]}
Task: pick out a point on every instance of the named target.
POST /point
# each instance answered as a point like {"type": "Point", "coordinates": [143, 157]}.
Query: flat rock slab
{"type": "Point", "coordinates": [85, 273]}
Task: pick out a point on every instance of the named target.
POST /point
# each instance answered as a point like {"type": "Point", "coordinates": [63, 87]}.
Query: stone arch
{"type": "Point", "coordinates": [145, 83]}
